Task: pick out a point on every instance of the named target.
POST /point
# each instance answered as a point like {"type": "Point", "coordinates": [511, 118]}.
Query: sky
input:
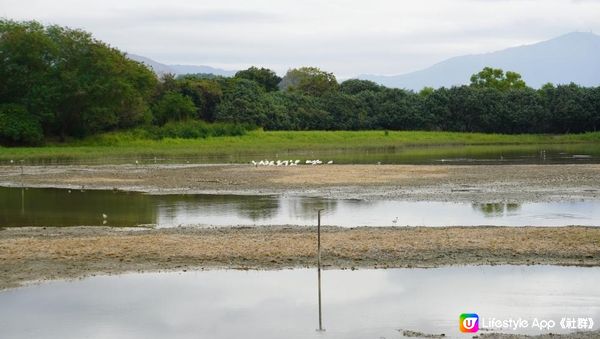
{"type": "Point", "coordinates": [345, 37]}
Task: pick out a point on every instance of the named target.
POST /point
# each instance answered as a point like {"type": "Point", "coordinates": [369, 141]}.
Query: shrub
{"type": "Point", "coordinates": [194, 129]}
{"type": "Point", "coordinates": [17, 126]}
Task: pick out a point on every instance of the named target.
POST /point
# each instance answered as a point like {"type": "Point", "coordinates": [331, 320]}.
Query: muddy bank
{"type": "Point", "coordinates": [28, 254]}
{"type": "Point", "coordinates": [411, 182]}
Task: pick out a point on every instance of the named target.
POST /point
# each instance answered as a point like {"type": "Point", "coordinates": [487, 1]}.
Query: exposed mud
{"type": "Point", "coordinates": [411, 182]}
{"type": "Point", "coordinates": [30, 254]}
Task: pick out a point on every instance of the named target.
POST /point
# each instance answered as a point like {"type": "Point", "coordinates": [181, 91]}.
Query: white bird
{"type": "Point", "coordinates": [271, 163]}
{"type": "Point", "coordinates": [278, 162]}
{"type": "Point", "coordinates": [254, 163]}
{"type": "Point", "coordinates": [297, 162]}
{"type": "Point", "coordinates": [12, 161]}
{"type": "Point", "coordinates": [308, 161]}
{"type": "Point", "coordinates": [330, 162]}
{"type": "Point", "coordinates": [104, 216]}
{"type": "Point", "coordinates": [395, 220]}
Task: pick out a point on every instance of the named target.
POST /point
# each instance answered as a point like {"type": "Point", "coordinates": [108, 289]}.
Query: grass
{"type": "Point", "coordinates": [127, 144]}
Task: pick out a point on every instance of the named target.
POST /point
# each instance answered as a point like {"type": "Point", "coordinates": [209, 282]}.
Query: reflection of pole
{"type": "Point", "coordinates": [22, 200]}
{"type": "Point", "coordinates": [319, 267]}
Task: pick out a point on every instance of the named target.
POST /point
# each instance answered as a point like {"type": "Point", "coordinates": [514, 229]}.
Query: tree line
{"type": "Point", "coordinates": [58, 83]}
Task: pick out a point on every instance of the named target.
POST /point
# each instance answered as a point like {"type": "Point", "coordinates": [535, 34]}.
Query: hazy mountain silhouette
{"type": "Point", "coordinates": [161, 69]}
{"type": "Point", "coordinates": [574, 57]}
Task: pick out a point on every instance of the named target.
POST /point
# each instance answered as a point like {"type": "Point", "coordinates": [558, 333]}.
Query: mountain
{"type": "Point", "coordinates": [574, 57]}
{"type": "Point", "coordinates": [161, 69]}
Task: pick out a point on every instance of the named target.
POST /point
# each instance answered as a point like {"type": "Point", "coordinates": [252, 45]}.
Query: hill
{"type": "Point", "coordinates": [573, 57]}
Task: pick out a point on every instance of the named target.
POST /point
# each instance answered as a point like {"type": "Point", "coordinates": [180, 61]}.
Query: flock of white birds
{"type": "Point", "coordinates": [288, 162]}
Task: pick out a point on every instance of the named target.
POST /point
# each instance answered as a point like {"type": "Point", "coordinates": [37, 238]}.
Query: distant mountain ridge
{"type": "Point", "coordinates": [573, 57]}
{"type": "Point", "coordinates": [161, 69]}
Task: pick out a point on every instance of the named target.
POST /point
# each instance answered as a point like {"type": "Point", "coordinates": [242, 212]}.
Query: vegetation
{"type": "Point", "coordinates": [253, 144]}
{"type": "Point", "coordinates": [59, 84]}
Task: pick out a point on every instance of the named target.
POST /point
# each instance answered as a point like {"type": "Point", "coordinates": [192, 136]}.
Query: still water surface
{"type": "Point", "coordinates": [283, 304]}
{"type": "Point", "coordinates": [62, 207]}
{"type": "Point", "coordinates": [446, 155]}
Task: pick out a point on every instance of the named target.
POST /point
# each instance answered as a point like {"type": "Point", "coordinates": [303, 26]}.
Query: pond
{"type": "Point", "coordinates": [62, 207]}
{"type": "Point", "coordinates": [283, 304]}
{"type": "Point", "coordinates": [446, 155]}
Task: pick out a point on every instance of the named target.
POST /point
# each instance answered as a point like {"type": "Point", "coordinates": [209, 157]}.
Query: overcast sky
{"type": "Point", "coordinates": [346, 37]}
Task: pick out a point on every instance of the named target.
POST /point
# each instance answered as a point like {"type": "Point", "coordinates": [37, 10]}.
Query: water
{"type": "Point", "coordinates": [62, 207]}
{"type": "Point", "coordinates": [283, 304]}
{"type": "Point", "coordinates": [447, 155]}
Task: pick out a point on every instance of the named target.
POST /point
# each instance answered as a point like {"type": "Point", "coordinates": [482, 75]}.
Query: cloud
{"type": "Point", "coordinates": [344, 36]}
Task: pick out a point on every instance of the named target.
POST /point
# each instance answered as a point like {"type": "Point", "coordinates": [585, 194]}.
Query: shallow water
{"type": "Point", "coordinates": [446, 155]}
{"type": "Point", "coordinates": [283, 304]}
{"type": "Point", "coordinates": [61, 207]}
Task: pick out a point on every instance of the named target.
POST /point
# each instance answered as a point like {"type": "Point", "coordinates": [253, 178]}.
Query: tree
{"type": "Point", "coordinates": [71, 83]}
{"type": "Point", "coordinates": [244, 101]}
{"type": "Point", "coordinates": [355, 86]}
{"type": "Point", "coordinates": [265, 77]}
{"type": "Point", "coordinates": [173, 106]}
{"type": "Point", "coordinates": [495, 78]}
{"type": "Point", "coordinates": [206, 95]}
{"type": "Point", "coordinates": [309, 81]}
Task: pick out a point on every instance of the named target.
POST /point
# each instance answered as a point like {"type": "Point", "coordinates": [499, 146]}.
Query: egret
{"type": "Point", "coordinates": [330, 162]}
{"type": "Point", "coordinates": [12, 161]}
{"type": "Point", "coordinates": [297, 162]}
{"type": "Point", "coordinates": [254, 163]}
{"type": "Point", "coordinates": [308, 161]}
{"type": "Point", "coordinates": [104, 216]}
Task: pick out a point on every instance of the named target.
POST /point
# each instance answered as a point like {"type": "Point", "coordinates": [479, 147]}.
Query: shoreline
{"type": "Point", "coordinates": [473, 183]}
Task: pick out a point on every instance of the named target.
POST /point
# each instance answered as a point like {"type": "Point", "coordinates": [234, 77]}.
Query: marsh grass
{"type": "Point", "coordinates": [229, 140]}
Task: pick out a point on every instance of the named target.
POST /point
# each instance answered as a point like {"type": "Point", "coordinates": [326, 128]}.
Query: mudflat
{"type": "Point", "coordinates": [39, 253]}
{"type": "Point", "coordinates": [479, 183]}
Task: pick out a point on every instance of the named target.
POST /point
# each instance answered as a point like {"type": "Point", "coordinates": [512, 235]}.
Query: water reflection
{"type": "Point", "coordinates": [282, 304]}
{"type": "Point", "coordinates": [61, 207]}
{"type": "Point", "coordinates": [497, 209]}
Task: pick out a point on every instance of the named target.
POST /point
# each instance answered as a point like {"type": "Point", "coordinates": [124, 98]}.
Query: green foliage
{"type": "Point", "coordinates": [194, 129]}
{"type": "Point", "coordinates": [309, 81]}
{"type": "Point", "coordinates": [59, 83]}
{"type": "Point", "coordinates": [17, 126]}
{"type": "Point", "coordinates": [173, 106]}
{"type": "Point", "coordinates": [73, 84]}
{"type": "Point", "coordinates": [244, 101]}
{"type": "Point", "coordinates": [263, 76]}
{"type": "Point", "coordinates": [355, 86]}
{"type": "Point", "coordinates": [495, 78]}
